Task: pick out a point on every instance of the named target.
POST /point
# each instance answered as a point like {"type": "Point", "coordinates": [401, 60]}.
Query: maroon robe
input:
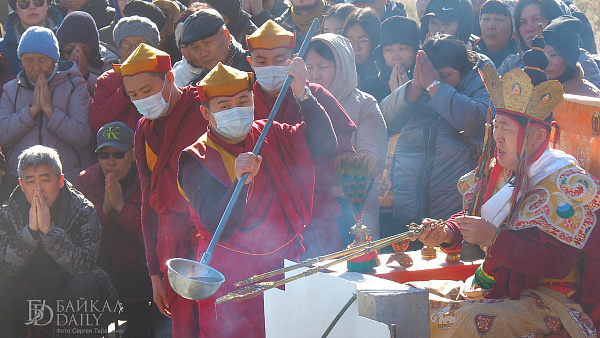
{"type": "Point", "coordinates": [322, 236]}
{"type": "Point", "coordinates": [278, 206]}
{"type": "Point", "coordinates": [164, 210]}
{"type": "Point", "coordinates": [519, 259]}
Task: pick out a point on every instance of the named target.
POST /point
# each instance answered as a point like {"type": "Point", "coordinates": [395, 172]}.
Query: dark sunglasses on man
{"type": "Point", "coordinates": [24, 4]}
{"type": "Point", "coordinates": [104, 155]}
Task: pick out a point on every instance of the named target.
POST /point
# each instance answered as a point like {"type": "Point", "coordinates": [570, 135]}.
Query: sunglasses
{"type": "Point", "coordinates": [104, 155]}
{"type": "Point", "coordinates": [24, 4]}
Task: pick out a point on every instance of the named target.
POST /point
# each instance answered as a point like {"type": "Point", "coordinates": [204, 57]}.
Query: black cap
{"type": "Point", "coordinates": [398, 29]}
{"type": "Point", "coordinates": [201, 25]}
{"type": "Point", "coordinates": [115, 134]}
{"type": "Point", "coordinates": [445, 11]}
{"type": "Point", "coordinates": [561, 34]}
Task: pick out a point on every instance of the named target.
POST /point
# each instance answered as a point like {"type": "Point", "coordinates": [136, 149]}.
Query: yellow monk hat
{"type": "Point", "coordinates": [270, 36]}
{"type": "Point", "coordinates": [224, 81]}
{"type": "Point", "coordinates": [144, 59]}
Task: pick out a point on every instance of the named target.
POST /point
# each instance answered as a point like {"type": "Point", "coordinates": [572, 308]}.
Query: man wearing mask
{"type": "Point", "coordinates": [299, 17]}
{"type": "Point", "coordinates": [110, 102]}
{"type": "Point", "coordinates": [270, 46]}
{"type": "Point", "coordinates": [210, 42]}
{"type": "Point", "coordinates": [277, 196]}
{"type": "Point", "coordinates": [170, 122]}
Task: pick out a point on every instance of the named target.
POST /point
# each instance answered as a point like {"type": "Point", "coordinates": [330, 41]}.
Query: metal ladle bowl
{"type": "Point", "coordinates": [193, 280]}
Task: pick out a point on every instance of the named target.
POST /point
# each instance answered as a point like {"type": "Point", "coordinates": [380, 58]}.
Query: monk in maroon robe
{"type": "Point", "coordinates": [267, 222]}
{"type": "Point", "coordinates": [270, 47]}
{"type": "Point", "coordinates": [171, 121]}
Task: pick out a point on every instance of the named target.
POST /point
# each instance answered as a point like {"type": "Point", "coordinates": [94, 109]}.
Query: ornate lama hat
{"type": "Point", "coordinates": [514, 94]}
{"type": "Point", "coordinates": [224, 81]}
{"type": "Point", "coordinates": [270, 36]}
{"type": "Point", "coordinates": [526, 95]}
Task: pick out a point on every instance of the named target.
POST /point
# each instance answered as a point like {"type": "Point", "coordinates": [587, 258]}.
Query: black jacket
{"type": "Point", "coordinates": [102, 13]}
{"type": "Point", "coordinates": [73, 241]}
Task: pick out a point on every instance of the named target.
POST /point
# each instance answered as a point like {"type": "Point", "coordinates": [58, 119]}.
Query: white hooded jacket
{"type": "Point", "coordinates": [371, 134]}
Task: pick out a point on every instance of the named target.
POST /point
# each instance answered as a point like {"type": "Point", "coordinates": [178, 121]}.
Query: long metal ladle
{"type": "Point", "coordinates": [197, 280]}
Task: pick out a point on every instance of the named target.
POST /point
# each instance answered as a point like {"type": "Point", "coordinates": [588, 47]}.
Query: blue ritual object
{"type": "Point", "coordinates": [353, 174]}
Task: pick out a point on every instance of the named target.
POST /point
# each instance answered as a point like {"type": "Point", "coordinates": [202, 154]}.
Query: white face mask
{"type": "Point", "coordinates": [271, 78]}
{"type": "Point", "coordinates": [153, 106]}
{"type": "Point", "coordinates": [234, 123]}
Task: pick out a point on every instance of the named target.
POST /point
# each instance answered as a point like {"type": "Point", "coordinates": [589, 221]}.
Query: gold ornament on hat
{"type": "Point", "coordinates": [515, 93]}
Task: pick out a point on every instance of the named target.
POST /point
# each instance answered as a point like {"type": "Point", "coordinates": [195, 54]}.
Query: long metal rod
{"type": "Point", "coordinates": [207, 256]}
{"type": "Point", "coordinates": [312, 261]}
{"type": "Point", "coordinates": [339, 316]}
{"type": "Point", "coordinates": [255, 289]}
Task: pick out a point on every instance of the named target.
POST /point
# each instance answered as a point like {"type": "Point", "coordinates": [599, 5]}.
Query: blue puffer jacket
{"type": "Point", "coordinates": [432, 151]}
{"type": "Point", "coordinates": [10, 41]}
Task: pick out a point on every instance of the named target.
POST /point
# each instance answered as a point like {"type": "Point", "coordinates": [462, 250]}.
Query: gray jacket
{"type": "Point", "coordinates": [590, 67]}
{"type": "Point", "coordinates": [68, 130]}
{"type": "Point", "coordinates": [73, 240]}
{"type": "Point", "coordinates": [432, 152]}
{"type": "Point", "coordinates": [371, 134]}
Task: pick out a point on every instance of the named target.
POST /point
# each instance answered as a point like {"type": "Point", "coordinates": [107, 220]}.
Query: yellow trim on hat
{"type": "Point", "coordinates": [224, 81]}
{"type": "Point", "coordinates": [270, 36]}
{"type": "Point", "coordinates": [144, 59]}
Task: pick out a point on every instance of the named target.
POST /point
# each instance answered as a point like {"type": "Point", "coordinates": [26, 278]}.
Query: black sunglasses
{"type": "Point", "coordinates": [24, 4]}
{"type": "Point", "coordinates": [104, 155]}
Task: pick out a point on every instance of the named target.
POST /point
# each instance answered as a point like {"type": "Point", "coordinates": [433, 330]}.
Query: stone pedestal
{"type": "Point", "coordinates": [392, 303]}
{"type": "Point", "coordinates": [308, 306]}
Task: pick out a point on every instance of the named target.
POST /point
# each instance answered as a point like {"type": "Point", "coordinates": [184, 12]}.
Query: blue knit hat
{"type": "Point", "coordinates": [39, 40]}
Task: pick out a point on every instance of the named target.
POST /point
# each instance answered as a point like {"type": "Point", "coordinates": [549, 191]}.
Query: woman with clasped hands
{"type": "Point", "coordinates": [47, 104]}
{"type": "Point", "coordinates": [440, 117]}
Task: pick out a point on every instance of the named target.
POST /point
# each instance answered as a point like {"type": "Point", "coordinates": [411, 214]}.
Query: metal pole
{"type": "Point", "coordinates": [339, 315]}
{"type": "Point", "coordinates": [207, 256]}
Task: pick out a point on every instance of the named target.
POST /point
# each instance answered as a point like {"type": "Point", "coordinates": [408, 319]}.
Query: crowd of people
{"type": "Point", "coordinates": [126, 125]}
